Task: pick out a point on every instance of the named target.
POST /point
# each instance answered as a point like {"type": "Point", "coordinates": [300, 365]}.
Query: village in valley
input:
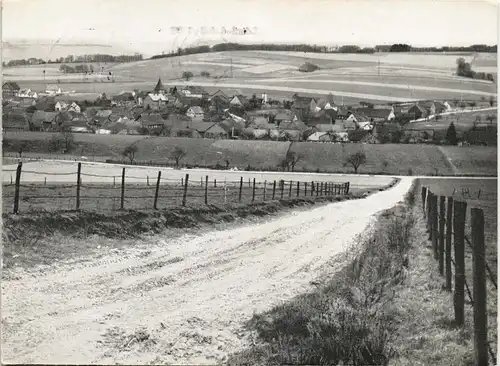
{"type": "Point", "coordinates": [191, 111]}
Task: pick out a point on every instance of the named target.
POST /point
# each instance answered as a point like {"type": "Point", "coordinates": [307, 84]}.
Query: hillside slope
{"type": "Point", "coordinates": [266, 155]}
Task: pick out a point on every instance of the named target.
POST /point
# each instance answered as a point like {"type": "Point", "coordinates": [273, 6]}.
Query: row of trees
{"type": "Point", "coordinates": [72, 58]}
{"type": "Point", "coordinates": [398, 47]}
{"type": "Point", "coordinates": [409, 48]}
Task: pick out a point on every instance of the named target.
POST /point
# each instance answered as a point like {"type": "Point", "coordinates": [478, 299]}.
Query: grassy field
{"type": "Point", "coordinates": [412, 76]}
{"type": "Point", "coordinates": [266, 155]}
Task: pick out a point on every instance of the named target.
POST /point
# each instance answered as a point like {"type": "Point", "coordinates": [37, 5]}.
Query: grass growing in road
{"type": "Point", "coordinates": [347, 320]}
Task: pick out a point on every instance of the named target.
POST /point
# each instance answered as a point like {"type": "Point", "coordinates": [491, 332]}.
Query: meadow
{"type": "Point", "coordinates": [401, 159]}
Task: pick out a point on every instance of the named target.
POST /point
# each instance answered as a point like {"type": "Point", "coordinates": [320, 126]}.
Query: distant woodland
{"type": "Point", "coordinates": [100, 58]}
{"type": "Point", "coordinates": [321, 49]}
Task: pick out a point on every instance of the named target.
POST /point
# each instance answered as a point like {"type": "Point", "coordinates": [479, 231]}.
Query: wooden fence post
{"type": "Point", "coordinates": [274, 189]}
{"type": "Point", "coordinates": [459, 212]}
{"type": "Point", "coordinates": [321, 189]}
{"type": "Point", "coordinates": [122, 199]}
{"type": "Point", "coordinates": [348, 186]}
{"type": "Point", "coordinates": [215, 183]}
{"type": "Point", "coordinates": [449, 229]}
{"type": "Point", "coordinates": [18, 184]}
{"type": "Point", "coordinates": [428, 212]}
{"type": "Point", "coordinates": [184, 195]}
{"type": "Point", "coordinates": [155, 205]}
{"type": "Point", "coordinates": [253, 191]}
{"type": "Point", "coordinates": [442, 209]}
{"type": "Point", "coordinates": [429, 215]}
{"type": "Point", "coordinates": [282, 184]}
{"type": "Point", "coordinates": [78, 182]}
{"type": "Point", "coordinates": [317, 189]}
{"type": "Point", "coordinates": [290, 189]}
{"type": "Point", "coordinates": [424, 189]}
{"type": "Point", "coordinates": [305, 189]}
{"type": "Point", "coordinates": [298, 188]}
{"type": "Point", "coordinates": [206, 190]}
{"type": "Point", "coordinates": [241, 187]}
{"type": "Point", "coordinates": [249, 185]}
{"type": "Point", "coordinates": [114, 181]}
{"type": "Point", "coordinates": [265, 187]}
{"type": "Point", "coordinates": [434, 226]}
{"type": "Point", "coordinates": [147, 182]}
{"type": "Point", "coordinates": [312, 188]}
{"type": "Point", "coordinates": [479, 287]}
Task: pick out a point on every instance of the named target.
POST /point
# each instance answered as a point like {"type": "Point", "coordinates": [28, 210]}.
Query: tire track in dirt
{"type": "Point", "coordinates": [186, 301]}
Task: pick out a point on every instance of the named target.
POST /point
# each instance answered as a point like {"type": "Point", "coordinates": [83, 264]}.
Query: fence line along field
{"type": "Point", "coordinates": [462, 229]}
{"type": "Point", "coordinates": [138, 189]}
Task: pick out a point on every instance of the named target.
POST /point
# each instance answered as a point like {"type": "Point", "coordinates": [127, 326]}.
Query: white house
{"type": "Point", "coordinates": [195, 112]}
{"type": "Point", "coordinates": [74, 107]}
{"type": "Point", "coordinates": [103, 131]}
{"type": "Point", "coordinates": [61, 106]}
{"type": "Point", "coordinates": [27, 93]}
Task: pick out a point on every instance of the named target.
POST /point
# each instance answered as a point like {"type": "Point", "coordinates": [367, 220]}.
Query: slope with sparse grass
{"type": "Point", "coordinates": [349, 318]}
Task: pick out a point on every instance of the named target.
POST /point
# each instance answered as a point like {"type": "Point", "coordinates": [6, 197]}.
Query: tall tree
{"type": "Point", "coordinates": [451, 134]}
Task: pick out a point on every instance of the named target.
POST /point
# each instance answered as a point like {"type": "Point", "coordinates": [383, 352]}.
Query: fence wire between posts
{"type": "Point", "coordinates": [167, 192]}
{"type": "Point", "coordinates": [447, 220]}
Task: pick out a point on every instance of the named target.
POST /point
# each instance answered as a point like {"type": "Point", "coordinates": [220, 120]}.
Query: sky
{"type": "Point", "coordinates": [146, 26]}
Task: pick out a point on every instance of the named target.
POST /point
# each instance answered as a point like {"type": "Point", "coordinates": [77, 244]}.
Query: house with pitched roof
{"type": "Point", "coordinates": [196, 113]}
{"type": "Point", "coordinates": [43, 121]}
{"type": "Point", "coordinates": [53, 90]}
{"type": "Point", "coordinates": [9, 90]}
{"type": "Point", "coordinates": [303, 105]}
{"type": "Point", "coordinates": [193, 91]}
{"type": "Point", "coordinates": [239, 100]}
{"type": "Point", "coordinates": [418, 111]}
{"type": "Point", "coordinates": [155, 101]}
{"type": "Point", "coordinates": [27, 93]}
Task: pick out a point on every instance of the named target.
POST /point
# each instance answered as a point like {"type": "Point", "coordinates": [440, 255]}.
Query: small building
{"type": "Point", "coordinates": [239, 100]}
{"type": "Point", "coordinates": [53, 90]}
{"type": "Point", "coordinates": [155, 101]}
{"type": "Point", "coordinates": [27, 93]}
{"type": "Point", "coordinates": [9, 90]}
{"type": "Point", "coordinates": [61, 105]}
{"type": "Point", "coordinates": [195, 112]}
{"type": "Point", "coordinates": [43, 121]}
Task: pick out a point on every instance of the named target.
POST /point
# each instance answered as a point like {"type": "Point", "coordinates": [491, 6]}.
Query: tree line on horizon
{"type": "Point", "coordinates": [75, 59]}
{"type": "Point", "coordinates": [398, 47]}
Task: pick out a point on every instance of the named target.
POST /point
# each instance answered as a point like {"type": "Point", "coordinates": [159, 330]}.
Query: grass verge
{"type": "Point", "coordinates": [349, 319]}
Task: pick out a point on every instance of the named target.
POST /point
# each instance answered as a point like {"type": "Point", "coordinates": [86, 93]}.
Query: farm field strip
{"type": "Point", "coordinates": [387, 85]}
{"type": "Point", "coordinates": [294, 90]}
{"type": "Point", "coordinates": [105, 172]}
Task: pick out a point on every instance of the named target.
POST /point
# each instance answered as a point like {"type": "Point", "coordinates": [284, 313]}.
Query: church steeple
{"type": "Point", "coordinates": [159, 87]}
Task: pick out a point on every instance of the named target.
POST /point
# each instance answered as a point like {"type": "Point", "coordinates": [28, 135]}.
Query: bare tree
{"type": "Point", "coordinates": [187, 75]}
{"type": "Point", "coordinates": [293, 158]}
{"type": "Point", "coordinates": [385, 164]}
{"type": "Point", "coordinates": [129, 152]}
{"type": "Point", "coordinates": [177, 154]}
{"type": "Point", "coordinates": [20, 146]}
{"type": "Point", "coordinates": [356, 160]}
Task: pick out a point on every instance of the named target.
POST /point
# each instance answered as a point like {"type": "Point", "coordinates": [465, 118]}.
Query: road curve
{"type": "Point", "coordinates": [191, 294]}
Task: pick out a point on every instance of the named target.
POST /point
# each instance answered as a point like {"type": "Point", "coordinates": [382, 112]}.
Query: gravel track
{"type": "Point", "coordinates": [182, 300]}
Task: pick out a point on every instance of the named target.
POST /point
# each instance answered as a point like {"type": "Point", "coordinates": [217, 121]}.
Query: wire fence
{"type": "Point", "coordinates": [446, 223]}
{"type": "Point", "coordinates": [103, 192]}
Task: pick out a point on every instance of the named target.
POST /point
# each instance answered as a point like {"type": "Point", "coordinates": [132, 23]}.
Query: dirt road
{"type": "Point", "coordinates": [181, 300]}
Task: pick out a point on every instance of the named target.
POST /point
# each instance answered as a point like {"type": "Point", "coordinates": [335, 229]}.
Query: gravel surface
{"type": "Point", "coordinates": [182, 300]}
